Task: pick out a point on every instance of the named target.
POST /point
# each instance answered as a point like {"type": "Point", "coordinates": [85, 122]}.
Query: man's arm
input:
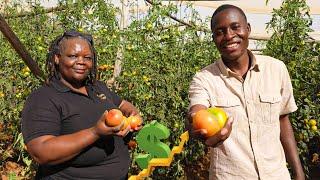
{"type": "Point", "coordinates": [290, 147]}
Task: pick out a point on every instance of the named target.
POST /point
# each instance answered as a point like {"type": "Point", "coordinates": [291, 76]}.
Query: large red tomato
{"type": "Point", "coordinates": [114, 117]}
{"type": "Point", "coordinates": [203, 119]}
{"type": "Point", "coordinates": [220, 114]}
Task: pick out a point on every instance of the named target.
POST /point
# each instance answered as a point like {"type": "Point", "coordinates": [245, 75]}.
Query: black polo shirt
{"type": "Point", "coordinates": [56, 110]}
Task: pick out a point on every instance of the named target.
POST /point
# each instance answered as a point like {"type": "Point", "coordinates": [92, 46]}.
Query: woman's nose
{"type": "Point", "coordinates": [81, 60]}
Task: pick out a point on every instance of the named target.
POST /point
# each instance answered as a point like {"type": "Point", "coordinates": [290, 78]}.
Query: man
{"type": "Point", "coordinates": [256, 93]}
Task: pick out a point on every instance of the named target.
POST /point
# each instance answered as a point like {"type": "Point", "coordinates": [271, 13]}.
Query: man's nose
{"type": "Point", "coordinates": [229, 34]}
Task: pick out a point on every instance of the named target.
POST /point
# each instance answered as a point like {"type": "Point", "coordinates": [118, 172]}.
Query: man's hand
{"type": "Point", "coordinates": [221, 135]}
{"type": "Point", "coordinates": [216, 139]}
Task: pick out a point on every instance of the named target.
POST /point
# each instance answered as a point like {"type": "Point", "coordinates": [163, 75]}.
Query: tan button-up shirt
{"type": "Point", "coordinates": [253, 149]}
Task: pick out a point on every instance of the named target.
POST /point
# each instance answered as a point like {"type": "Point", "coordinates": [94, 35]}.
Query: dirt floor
{"type": "Point", "coordinates": [199, 169]}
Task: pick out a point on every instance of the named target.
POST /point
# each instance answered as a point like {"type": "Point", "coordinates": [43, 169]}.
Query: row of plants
{"type": "Point", "coordinates": [158, 58]}
{"type": "Point", "coordinates": [291, 24]}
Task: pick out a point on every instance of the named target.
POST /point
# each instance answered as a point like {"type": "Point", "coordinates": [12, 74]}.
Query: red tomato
{"type": "Point", "coordinates": [203, 119]}
{"type": "Point", "coordinates": [114, 117]}
{"type": "Point", "coordinates": [132, 144]}
{"type": "Point", "coordinates": [135, 121]}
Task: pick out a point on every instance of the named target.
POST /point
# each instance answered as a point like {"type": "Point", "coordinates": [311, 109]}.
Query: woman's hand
{"type": "Point", "coordinates": [128, 110]}
{"type": "Point", "coordinates": [101, 128]}
{"type": "Point", "coordinates": [138, 127]}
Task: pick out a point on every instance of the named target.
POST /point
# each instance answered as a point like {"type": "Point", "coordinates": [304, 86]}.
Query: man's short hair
{"type": "Point", "coordinates": [224, 7]}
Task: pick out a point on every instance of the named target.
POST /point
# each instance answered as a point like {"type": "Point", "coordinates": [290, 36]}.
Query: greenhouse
{"type": "Point", "coordinates": [151, 89]}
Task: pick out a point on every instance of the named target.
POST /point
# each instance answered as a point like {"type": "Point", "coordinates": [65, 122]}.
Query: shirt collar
{"type": "Point", "coordinates": [58, 85]}
{"type": "Point", "coordinates": [228, 72]}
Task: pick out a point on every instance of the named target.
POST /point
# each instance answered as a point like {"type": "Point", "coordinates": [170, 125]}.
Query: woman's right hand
{"type": "Point", "coordinates": [101, 128]}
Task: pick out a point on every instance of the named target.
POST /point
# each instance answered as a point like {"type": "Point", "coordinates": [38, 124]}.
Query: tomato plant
{"type": "Point", "coordinates": [291, 23]}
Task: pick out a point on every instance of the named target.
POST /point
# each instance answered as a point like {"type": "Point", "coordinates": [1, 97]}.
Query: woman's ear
{"type": "Point", "coordinates": [56, 59]}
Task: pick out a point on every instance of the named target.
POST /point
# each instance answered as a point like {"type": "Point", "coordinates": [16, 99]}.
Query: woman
{"type": "Point", "coordinates": [63, 122]}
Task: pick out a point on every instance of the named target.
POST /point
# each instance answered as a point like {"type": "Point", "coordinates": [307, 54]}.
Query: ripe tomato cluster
{"type": "Point", "coordinates": [212, 119]}
{"type": "Point", "coordinates": [115, 118]}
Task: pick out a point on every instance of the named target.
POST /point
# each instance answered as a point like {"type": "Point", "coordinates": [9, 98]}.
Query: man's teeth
{"type": "Point", "coordinates": [231, 45]}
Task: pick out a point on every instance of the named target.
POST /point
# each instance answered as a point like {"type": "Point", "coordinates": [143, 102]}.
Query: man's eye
{"type": "Point", "coordinates": [235, 27]}
{"type": "Point", "coordinates": [219, 32]}
{"type": "Point", "coordinates": [72, 56]}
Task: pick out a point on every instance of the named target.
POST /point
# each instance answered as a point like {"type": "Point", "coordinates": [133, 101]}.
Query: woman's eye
{"type": "Point", "coordinates": [88, 58]}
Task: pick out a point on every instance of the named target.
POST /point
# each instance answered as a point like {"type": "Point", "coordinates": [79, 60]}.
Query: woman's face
{"type": "Point", "coordinates": [75, 60]}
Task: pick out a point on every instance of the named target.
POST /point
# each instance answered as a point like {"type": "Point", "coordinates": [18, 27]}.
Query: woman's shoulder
{"type": "Point", "coordinates": [101, 86]}
{"type": "Point", "coordinates": [43, 92]}
{"type": "Point", "coordinates": [100, 83]}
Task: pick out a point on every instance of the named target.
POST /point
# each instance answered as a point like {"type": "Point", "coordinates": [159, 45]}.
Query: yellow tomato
{"type": "Point", "coordinates": [126, 122]}
{"type": "Point", "coordinates": [220, 114]}
{"type": "Point", "coordinates": [314, 128]}
{"type": "Point", "coordinates": [135, 121]}
{"type": "Point", "coordinates": [25, 74]}
{"type": "Point", "coordinates": [149, 26]}
{"type": "Point", "coordinates": [313, 122]}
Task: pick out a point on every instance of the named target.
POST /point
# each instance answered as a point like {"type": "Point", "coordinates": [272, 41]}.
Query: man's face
{"type": "Point", "coordinates": [230, 34]}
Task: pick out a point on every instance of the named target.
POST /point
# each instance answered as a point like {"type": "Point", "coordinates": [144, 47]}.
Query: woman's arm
{"type": "Point", "coordinates": [50, 149]}
{"type": "Point", "coordinates": [128, 109]}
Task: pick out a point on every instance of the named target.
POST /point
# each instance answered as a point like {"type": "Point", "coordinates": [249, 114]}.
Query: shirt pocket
{"type": "Point", "coordinates": [270, 107]}
{"type": "Point", "coordinates": [229, 105]}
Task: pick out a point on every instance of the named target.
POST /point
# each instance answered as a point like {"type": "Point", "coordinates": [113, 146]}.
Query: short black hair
{"type": "Point", "coordinates": [55, 49]}
{"type": "Point", "coordinates": [224, 7]}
